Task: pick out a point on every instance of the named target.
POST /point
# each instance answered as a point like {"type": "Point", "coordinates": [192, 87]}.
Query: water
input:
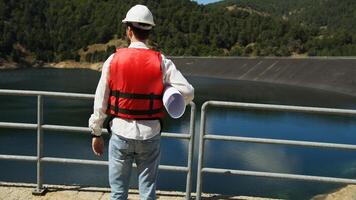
{"type": "Point", "coordinates": [244, 156]}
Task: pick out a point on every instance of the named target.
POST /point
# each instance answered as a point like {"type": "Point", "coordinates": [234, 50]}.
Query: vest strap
{"type": "Point", "coordinates": [116, 108]}
{"type": "Point", "coordinates": [136, 112]}
{"type": "Point", "coordinates": [108, 122]}
{"type": "Point", "coordinates": [119, 94]}
{"type": "Point", "coordinates": [151, 102]}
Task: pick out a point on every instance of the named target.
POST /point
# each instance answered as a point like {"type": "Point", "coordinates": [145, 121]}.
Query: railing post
{"type": "Point", "coordinates": [201, 151]}
{"type": "Point", "coordinates": [190, 152]}
{"type": "Point", "coordinates": [40, 190]}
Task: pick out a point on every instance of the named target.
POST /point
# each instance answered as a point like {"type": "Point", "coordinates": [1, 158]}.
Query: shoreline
{"type": "Point", "coordinates": [68, 64]}
{"type": "Point", "coordinates": [75, 65]}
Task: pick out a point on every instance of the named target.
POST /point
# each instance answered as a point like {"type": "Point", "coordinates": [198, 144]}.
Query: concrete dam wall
{"type": "Point", "coordinates": [331, 74]}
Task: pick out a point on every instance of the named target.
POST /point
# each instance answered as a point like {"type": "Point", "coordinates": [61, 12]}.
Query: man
{"type": "Point", "coordinates": [130, 92]}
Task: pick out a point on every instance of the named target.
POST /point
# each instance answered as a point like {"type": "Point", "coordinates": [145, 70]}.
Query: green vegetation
{"type": "Point", "coordinates": [57, 30]}
{"type": "Point", "coordinates": [331, 23]}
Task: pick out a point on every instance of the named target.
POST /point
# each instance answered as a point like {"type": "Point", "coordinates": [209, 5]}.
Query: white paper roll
{"type": "Point", "coordinates": [173, 101]}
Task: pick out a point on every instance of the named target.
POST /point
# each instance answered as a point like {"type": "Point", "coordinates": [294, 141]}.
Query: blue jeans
{"type": "Point", "coordinates": [122, 153]}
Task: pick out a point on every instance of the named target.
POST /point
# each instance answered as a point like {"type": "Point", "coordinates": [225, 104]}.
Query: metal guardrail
{"type": "Point", "coordinates": [204, 136]}
{"type": "Point", "coordinates": [40, 127]}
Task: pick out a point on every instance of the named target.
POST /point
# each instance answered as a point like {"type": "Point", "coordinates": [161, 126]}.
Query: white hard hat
{"type": "Point", "coordinates": [173, 101]}
{"type": "Point", "coordinates": [140, 15]}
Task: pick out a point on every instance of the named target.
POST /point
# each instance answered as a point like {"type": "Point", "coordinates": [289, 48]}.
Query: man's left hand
{"type": "Point", "coordinates": [98, 145]}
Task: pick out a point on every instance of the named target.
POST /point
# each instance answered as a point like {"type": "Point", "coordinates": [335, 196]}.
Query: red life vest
{"type": "Point", "coordinates": [136, 84]}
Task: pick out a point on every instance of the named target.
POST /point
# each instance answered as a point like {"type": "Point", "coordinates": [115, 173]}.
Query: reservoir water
{"type": "Point", "coordinates": [244, 156]}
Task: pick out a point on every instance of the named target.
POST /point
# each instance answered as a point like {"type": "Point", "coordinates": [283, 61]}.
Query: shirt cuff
{"type": "Point", "coordinates": [96, 132]}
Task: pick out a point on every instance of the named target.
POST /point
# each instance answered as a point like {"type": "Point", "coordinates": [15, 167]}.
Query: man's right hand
{"type": "Point", "coordinates": [97, 145]}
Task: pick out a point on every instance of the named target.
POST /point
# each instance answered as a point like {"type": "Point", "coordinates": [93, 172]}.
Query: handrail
{"type": "Point", "coordinates": [35, 93]}
{"type": "Point", "coordinates": [40, 127]}
{"type": "Point", "coordinates": [204, 136]}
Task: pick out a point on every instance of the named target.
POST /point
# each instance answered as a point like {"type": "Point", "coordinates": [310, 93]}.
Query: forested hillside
{"type": "Point", "coordinates": [334, 14]}
{"type": "Point", "coordinates": [333, 21]}
{"type": "Point", "coordinates": [56, 30]}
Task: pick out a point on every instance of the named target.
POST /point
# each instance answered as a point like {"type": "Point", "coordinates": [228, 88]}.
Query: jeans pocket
{"type": "Point", "coordinates": [148, 147]}
{"type": "Point", "coordinates": [118, 146]}
{"type": "Point", "coordinates": [154, 139]}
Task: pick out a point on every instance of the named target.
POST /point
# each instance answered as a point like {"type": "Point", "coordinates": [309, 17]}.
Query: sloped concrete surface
{"type": "Point", "coordinates": [335, 74]}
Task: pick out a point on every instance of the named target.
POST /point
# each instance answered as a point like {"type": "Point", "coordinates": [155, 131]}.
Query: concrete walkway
{"type": "Point", "coordinates": [345, 193]}
{"type": "Point", "coordinates": [10, 191]}
{"type": "Point", "coordinates": [20, 191]}
{"type": "Point", "coordinates": [23, 191]}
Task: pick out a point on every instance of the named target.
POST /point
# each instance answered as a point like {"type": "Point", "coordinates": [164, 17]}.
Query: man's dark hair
{"type": "Point", "coordinates": [139, 33]}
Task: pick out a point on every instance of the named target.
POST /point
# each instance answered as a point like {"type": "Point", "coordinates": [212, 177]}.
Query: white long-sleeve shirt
{"type": "Point", "coordinates": [135, 129]}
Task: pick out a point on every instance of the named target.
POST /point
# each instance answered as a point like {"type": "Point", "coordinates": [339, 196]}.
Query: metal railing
{"type": "Point", "coordinates": [40, 127]}
{"type": "Point", "coordinates": [204, 136]}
